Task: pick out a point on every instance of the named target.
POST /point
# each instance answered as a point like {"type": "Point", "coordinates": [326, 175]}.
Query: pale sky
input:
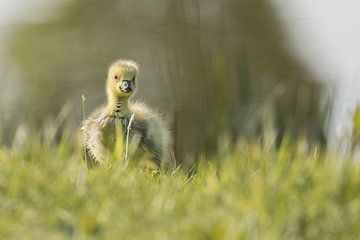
{"type": "Point", "coordinates": [324, 33]}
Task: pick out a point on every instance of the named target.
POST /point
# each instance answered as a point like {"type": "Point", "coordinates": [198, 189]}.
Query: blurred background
{"type": "Point", "coordinates": [217, 69]}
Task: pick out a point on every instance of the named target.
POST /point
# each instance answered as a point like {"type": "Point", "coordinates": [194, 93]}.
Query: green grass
{"type": "Point", "coordinates": [252, 192]}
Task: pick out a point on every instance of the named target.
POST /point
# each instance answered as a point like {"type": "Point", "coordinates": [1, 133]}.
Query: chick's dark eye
{"type": "Point", "coordinates": [116, 77]}
{"type": "Point", "coordinates": [133, 79]}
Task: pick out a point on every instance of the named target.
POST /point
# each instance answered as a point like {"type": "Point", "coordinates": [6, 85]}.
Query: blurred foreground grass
{"type": "Point", "coordinates": [251, 192]}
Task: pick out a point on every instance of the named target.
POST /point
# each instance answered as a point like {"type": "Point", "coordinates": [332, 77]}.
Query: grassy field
{"type": "Point", "coordinates": [251, 192]}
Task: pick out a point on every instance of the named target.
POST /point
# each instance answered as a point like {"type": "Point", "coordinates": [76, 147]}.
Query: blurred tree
{"type": "Point", "coordinates": [356, 127]}
{"type": "Point", "coordinates": [211, 66]}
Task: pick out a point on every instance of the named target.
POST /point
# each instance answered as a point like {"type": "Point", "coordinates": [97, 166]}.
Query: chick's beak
{"type": "Point", "coordinates": [126, 86]}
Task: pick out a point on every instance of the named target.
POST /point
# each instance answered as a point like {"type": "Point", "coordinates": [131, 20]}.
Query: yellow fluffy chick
{"type": "Point", "coordinates": [147, 129]}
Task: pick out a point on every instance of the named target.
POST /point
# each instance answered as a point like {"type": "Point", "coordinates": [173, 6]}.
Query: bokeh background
{"type": "Point", "coordinates": [218, 69]}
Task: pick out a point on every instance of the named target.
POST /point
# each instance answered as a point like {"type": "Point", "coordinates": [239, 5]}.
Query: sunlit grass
{"type": "Point", "coordinates": [253, 192]}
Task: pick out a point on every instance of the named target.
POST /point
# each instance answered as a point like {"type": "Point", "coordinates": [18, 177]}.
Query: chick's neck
{"type": "Point", "coordinates": [118, 107]}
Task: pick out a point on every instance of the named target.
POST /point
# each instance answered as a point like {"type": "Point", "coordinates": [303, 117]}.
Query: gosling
{"type": "Point", "coordinates": [146, 124]}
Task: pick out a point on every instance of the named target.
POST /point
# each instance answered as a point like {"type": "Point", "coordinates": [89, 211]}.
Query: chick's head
{"type": "Point", "coordinates": [121, 81]}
